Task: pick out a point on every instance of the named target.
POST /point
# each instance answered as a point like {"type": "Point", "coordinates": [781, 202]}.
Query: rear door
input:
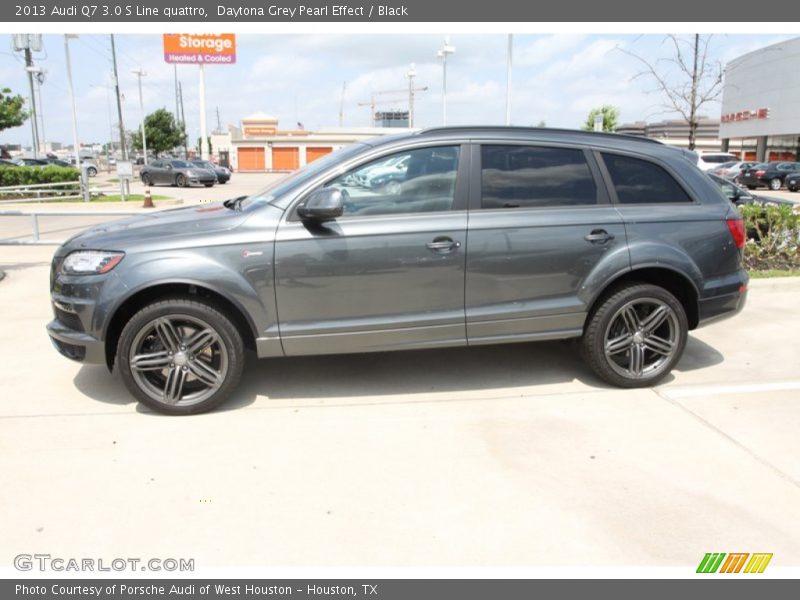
{"type": "Point", "coordinates": [540, 225]}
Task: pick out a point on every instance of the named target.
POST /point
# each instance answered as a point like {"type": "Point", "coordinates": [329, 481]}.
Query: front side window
{"type": "Point", "coordinates": [533, 176]}
{"type": "Point", "coordinates": [412, 181]}
{"type": "Point", "coordinates": [639, 181]}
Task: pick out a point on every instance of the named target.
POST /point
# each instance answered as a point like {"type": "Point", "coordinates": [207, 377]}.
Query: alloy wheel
{"type": "Point", "coordinates": [178, 360]}
{"type": "Point", "coordinates": [641, 338]}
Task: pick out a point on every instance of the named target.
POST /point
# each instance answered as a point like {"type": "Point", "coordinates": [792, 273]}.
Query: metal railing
{"type": "Point", "coordinates": [65, 190]}
{"type": "Point", "coordinates": [36, 239]}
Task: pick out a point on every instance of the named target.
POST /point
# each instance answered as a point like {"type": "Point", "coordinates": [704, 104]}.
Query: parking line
{"type": "Point", "coordinates": [717, 390]}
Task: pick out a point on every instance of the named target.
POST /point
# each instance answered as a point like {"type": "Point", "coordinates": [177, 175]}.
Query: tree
{"type": "Point", "coordinates": [610, 117]}
{"type": "Point", "coordinates": [163, 132]}
{"type": "Point", "coordinates": [12, 110]}
{"type": "Point", "coordinates": [688, 78]}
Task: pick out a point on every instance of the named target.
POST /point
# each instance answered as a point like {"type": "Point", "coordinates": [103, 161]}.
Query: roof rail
{"type": "Point", "coordinates": [489, 128]}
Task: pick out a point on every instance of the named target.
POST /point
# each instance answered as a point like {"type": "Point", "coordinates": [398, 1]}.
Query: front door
{"type": "Point", "coordinates": [389, 273]}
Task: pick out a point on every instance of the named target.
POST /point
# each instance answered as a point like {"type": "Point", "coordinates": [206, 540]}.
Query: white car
{"type": "Point", "coordinates": [711, 160]}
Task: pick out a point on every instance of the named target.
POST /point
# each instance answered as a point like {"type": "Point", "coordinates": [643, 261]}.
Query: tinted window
{"type": "Point", "coordinates": [530, 176]}
{"type": "Point", "coordinates": [715, 158]}
{"type": "Point", "coordinates": [180, 164]}
{"type": "Point", "coordinates": [642, 182]}
{"type": "Point", "coordinates": [412, 181]}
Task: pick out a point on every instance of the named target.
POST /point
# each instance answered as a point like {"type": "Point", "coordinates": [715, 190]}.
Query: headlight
{"type": "Point", "coordinates": [90, 262]}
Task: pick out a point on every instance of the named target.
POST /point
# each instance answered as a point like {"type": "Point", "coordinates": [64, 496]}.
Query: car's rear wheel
{"type": "Point", "coordinates": [775, 184]}
{"type": "Point", "coordinates": [91, 171]}
{"type": "Point", "coordinates": [180, 180]}
{"type": "Point", "coordinates": [208, 184]}
{"type": "Point", "coordinates": [180, 356]}
{"type": "Point", "coordinates": [146, 180]}
{"type": "Point", "coordinates": [635, 335]}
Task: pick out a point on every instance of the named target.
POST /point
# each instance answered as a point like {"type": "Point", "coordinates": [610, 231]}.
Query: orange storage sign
{"type": "Point", "coordinates": [195, 48]}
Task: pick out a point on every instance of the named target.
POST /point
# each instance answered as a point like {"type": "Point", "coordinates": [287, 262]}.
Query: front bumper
{"type": "Point", "coordinates": [76, 345]}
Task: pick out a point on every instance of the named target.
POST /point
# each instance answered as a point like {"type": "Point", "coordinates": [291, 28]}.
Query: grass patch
{"type": "Point", "coordinates": [772, 273]}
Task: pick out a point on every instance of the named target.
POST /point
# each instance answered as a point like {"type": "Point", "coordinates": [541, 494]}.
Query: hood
{"type": "Point", "coordinates": [161, 225]}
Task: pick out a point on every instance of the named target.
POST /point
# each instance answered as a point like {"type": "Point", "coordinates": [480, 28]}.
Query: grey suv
{"type": "Point", "coordinates": [493, 235]}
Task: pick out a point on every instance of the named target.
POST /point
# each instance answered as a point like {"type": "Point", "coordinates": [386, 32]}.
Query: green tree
{"type": "Point", "coordinates": [163, 132]}
{"type": "Point", "coordinates": [610, 117]}
{"type": "Point", "coordinates": [12, 110]}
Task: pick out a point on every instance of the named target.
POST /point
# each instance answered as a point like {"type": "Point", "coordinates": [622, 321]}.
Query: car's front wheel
{"type": "Point", "coordinates": [180, 356]}
{"type": "Point", "coordinates": [146, 180]}
{"type": "Point", "coordinates": [775, 184]}
{"type": "Point", "coordinates": [635, 335]}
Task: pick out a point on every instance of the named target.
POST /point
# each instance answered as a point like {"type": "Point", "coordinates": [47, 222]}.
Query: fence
{"type": "Point", "coordinates": [64, 190]}
{"type": "Point", "coordinates": [34, 217]}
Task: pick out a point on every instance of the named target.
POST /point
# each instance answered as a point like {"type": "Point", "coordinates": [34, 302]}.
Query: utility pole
{"type": "Point", "coordinates": [183, 121]}
{"type": "Point", "coordinates": [177, 101]}
{"type": "Point", "coordinates": [508, 78]}
{"type": "Point", "coordinates": [28, 43]}
{"type": "Point", "coordinates": [219, 122]}
{"type": "Point", "coordinates": [122, 145]}
{"type": "Point", "coordinates": [203, 133]}
{"type": "Point", "coordinates": [75, 142]}
{"type": "Point", "coordinates": [443, 53]}
{"type": "Point", "coordinates": [411, 74]}
{"type": "Point", "coordinates": [341, 104]}
{"type": "Point", "coordinates": [139, 74]}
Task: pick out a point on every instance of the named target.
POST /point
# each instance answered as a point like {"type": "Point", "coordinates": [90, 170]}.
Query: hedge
{"type": "Point", "coordinates": [773, 237]}
{"type": "Point", "coordinates": [32, 175]}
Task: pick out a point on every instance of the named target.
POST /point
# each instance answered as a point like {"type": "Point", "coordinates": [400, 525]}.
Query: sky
{"type": "Point", "coordinates": [556, 79]}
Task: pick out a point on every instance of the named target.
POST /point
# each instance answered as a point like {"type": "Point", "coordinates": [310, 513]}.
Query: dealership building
{"type": "Point", "coordinates": [761, 104]}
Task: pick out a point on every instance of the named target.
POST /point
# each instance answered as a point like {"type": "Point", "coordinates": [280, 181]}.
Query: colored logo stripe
{"type": "Point", "coordinates": [758, 563]}
{"type": "Point", "coordinates": [734, 562]}
{"type": "Point", "coordinates": [710, 562]}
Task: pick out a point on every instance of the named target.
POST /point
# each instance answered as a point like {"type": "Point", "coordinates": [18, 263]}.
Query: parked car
{"type": "Point", "coordinates": [710, 160]}
{"type": "Point", "coordinates": [732, 169]}
{"type": "Point", "coordinates": [25, 161]}
{"type": "Point", "coordinates": [769, 174]}
{"type": "Point", "coordinates": [223, 173]}
{"type": "Point", "coordinates": [792, 181]}
{"type": "Point", "coordinates": [176, 172]}
{"type": "Point", "coordinates": [530, 234]}
{"type": "Point", "coordinates": [741, 196]}
{"type": "Point", "coordinates": [4, 162]}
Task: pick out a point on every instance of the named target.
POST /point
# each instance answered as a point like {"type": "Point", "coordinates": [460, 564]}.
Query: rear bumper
{"type": "Point", "coordinates": [76, 345]}
{"type": "Point", "coordinates": [722, 306]}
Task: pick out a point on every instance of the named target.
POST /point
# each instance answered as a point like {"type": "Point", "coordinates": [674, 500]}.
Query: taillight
{"type": "Point", "coordinates": [760, 173]}
{"type": "Point", "coordinates": [736, 227]}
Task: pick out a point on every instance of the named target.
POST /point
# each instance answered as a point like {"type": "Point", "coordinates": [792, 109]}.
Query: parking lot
{"type": "Point", "coordinates": [509, 455]}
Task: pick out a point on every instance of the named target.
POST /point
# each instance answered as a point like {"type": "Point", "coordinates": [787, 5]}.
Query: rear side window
{"type": "Point", "coordinates": [639, 181]}
{"type": "Point", "coordinates": [533, 176]}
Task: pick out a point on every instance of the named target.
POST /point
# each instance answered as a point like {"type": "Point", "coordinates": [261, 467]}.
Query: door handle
{"type": "Point", "coordinates": [443, 244]}
{"type": "Point", "coordinates": [598, 236]}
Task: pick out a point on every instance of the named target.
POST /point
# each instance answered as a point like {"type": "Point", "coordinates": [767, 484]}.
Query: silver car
{"type": "Point", "coordinates": [495, 235]}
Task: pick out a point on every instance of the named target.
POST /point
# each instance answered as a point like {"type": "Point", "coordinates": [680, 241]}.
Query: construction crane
{"type": "Point", "coordinates": [374, 100]}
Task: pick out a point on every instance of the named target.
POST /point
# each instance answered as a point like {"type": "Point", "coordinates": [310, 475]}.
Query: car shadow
{"type": "Point", "coordinates": [365, 377]}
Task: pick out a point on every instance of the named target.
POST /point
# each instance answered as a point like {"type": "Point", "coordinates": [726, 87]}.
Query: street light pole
{"type": "Point", "coordinates": [122, 145]}
{"type": "Point", "coordinates": [446, 49]}
{"type": "Point", "coordinates": [139, 74]}
{"type": "Point", "coordinates": [508, 78]}
{"type": "Point", "coordinates": [75, 142]}
{"type": "Point", "coordinates": [411, 74]}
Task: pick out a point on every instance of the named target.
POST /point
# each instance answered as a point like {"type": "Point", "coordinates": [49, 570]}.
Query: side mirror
{"type": "Point", "coordinates": [324, 204]}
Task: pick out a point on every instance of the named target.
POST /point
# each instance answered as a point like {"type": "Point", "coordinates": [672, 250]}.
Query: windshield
{"type": "Point", "coordinates": [203, 164]}
{"type": "Point", "coordinates": [179, 164]}
{"type": "Point", "coordinates": [287, 184]}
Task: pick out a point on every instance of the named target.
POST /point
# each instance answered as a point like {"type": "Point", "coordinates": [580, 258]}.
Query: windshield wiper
{"type": "Point", "coordinates": [234, 203]}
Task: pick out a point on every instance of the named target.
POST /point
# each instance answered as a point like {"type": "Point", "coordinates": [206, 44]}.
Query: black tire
{"type": "Point", "coordinates": [180, 180]}
{"type": "Point", "coordinates": [751, 187]}
{"type": "Point", "coordinates": [91, 172]}
{"type": "Point", "coordinates": [606, 316]}
{"type": "Point", "coordinates": [223, 356]}
{"type": "Point", "coordinates": [792, 189]}
{"type": "Point", "coordinates": [208, 184]}
{"type": "Point", "coordinates": [775, 184]}
{"type": "Point", "coordinates": [146, 180]}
